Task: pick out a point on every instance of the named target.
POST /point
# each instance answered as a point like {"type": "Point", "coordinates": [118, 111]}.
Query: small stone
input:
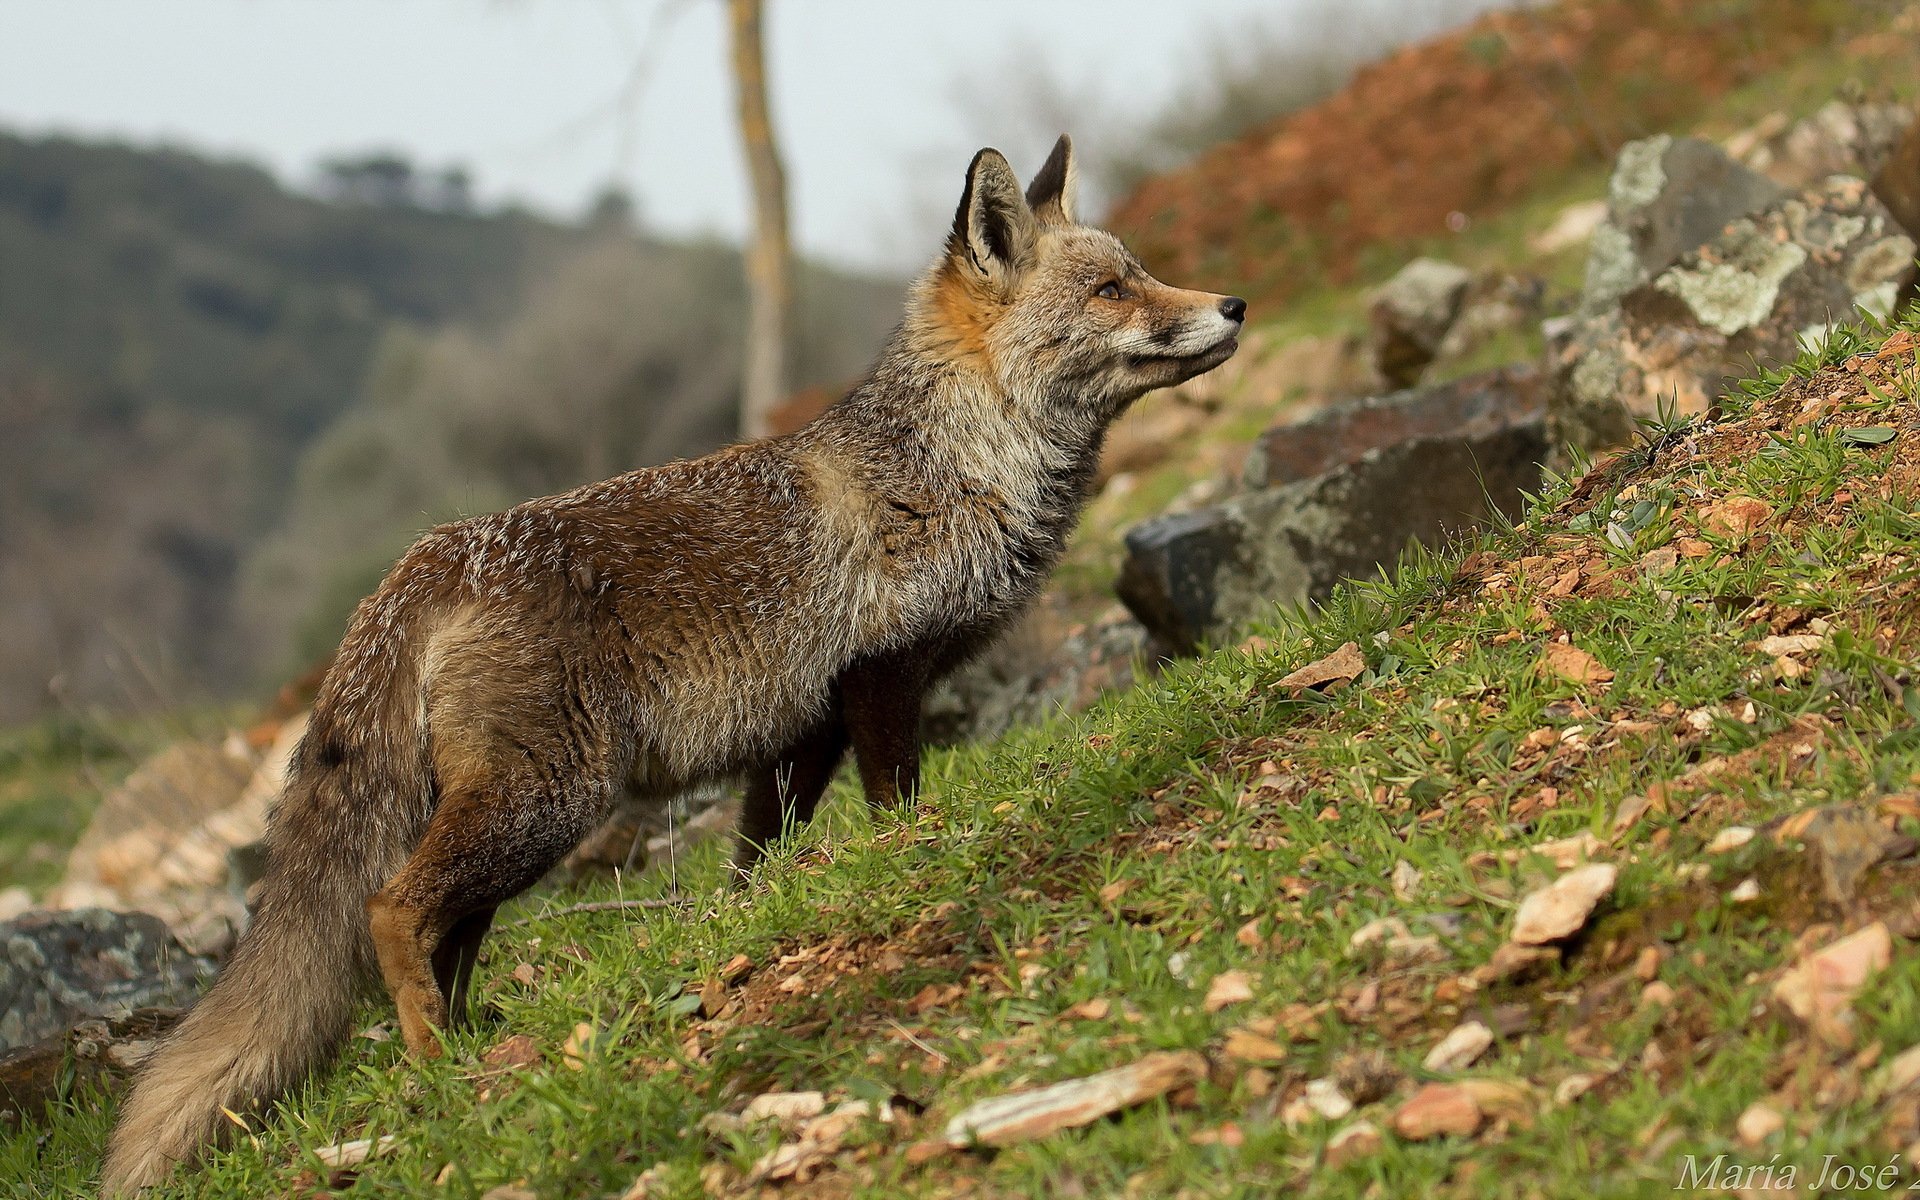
{"type": "Point", "coordinates": [1573, 1087]}
{"type": "Point", "coordinates": [1746, 892]}
{"type": "Point", "coordinates": [1900, 1073]}
{"type": "Point", "coordinates": [1459, 1049]}
{"type": "Point", "coordinates": [1757, 1124]}
{"type": "Point", "coordinates": [1819, 989]}
{"type": "Point", "coordinates": [1359, 1140]}
{"type": "Point", "coordinates": [1326, 1099]}
{"type": "Point", "coordinates": [1730, 839]}
{"type": "Point", "coordinates": [1657, 994]}
{"type": "Point", "coordinates": [1561, 908]}
{"type": "Point", "coordinates": [784, 1106]}
{"type": "Point", "coordinates": [1248, 1046]}
{"type": "Point", "coordinates": [1437, 1110]}
{"type": "Point", "coordinates": [1025, 1116]}
{"type": "Point", "coordinates": [1406, 880]}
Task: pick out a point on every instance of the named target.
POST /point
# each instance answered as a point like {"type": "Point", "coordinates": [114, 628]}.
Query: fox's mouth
{"type": "Point", "coordinates": [1205, 360]}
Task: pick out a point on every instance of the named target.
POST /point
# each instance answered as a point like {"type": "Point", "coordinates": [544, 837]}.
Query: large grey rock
{"type": "Point", "coordinates": [1842, 138]}
{"type": "Point", "coordinates": [1423, 466]}
{"type": "Point", "coordinates": [1897, 181]}
{"type": "Point", "coordinates": [95, 1053]}
{"type": "Point", "coordinates": [1411, 314]}
{"type": "Point", "coordinates": [1763, 286]}
{"type": "Point", "coordinates": [57, 968]}
{"type": "Point", "coordinates": [1037, 671]}
{"type": "Point", "coordinates": [1666, 196]}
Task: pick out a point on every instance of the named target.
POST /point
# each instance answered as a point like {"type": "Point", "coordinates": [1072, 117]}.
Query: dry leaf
{"type": "Point", "coordinates": [514, 1052]}
{"type": "Point", "coordinates": [1573, 664]}
{"type": "Point", "coordinates": [1344, 664]}
{"type": "Point", "coordinates": [1227, 989]}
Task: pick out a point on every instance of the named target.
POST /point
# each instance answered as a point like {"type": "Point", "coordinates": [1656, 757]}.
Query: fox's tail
{"type": "Point", "coordinates": [285, 1000]}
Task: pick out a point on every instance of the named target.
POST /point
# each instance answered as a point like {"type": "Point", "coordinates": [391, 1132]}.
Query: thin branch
{"type": "Point", "coordinates": [596, 906]}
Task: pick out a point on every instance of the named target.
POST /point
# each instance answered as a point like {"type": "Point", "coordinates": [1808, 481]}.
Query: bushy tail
{"type": "Point", "coordinates": [285, 1000]}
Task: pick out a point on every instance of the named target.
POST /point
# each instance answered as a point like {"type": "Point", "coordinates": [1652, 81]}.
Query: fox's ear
{"type": "Point", "coordinates": [993, 230]}
{"type": "Point", "coordinates": [1050, 195]}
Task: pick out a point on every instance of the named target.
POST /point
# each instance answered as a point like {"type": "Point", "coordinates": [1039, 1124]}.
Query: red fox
{"type": "Point", "coordinates": [750, 614]}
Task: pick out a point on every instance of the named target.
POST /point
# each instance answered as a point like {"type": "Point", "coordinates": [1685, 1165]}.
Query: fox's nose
{"type": "Point", "coordinates": [1233, 308]}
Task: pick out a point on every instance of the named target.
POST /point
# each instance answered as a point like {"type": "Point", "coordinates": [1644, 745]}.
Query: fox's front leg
{"type": "Point", "coordinates": [880, 700]}
{"type": "Point", "coordinates": [782, 797]}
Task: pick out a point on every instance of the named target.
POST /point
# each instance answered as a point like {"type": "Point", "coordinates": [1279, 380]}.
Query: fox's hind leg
{"type": "Point", "coordinates": [482, 847]}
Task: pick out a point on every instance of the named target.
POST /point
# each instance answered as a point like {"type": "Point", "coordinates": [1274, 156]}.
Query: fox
{"type": "Point", "coordinates": [746, 617]}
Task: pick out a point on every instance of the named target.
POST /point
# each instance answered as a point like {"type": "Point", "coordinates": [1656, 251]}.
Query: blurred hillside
{"type": "Point", "coordinates": [1464, 126]}
{"type": "Point", "coordinates": [224, 405]}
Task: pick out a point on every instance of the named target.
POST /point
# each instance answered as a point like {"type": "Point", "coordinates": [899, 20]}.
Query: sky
{"type": "Point", "coordinates": [550, 101]}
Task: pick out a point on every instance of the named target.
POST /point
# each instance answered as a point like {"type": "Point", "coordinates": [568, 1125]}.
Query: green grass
{"type": "Point", "coordinates": [1125, 856]}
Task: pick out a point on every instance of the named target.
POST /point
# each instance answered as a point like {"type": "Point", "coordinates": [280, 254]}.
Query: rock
{"type": "Point", "coordinates": [1436, 1110]}
{"type": "Point", "coordinates": [1848, 842]}
{"type": "Point", "coordinates": [1194, 575]}
{"type": "Point", "coordinates": [1326, 1099]}
{"type": "Point", "coordinates": [1666, 197]}
{"type": "Point", "coordinates": [14, 901]}
{"type": "Point", "coordinates": [1411, 314]}
{"type": "Point", "coordinates": [1819, 989]}
{"type": "Point", "coordinates": [57, 968]}
{"type": "Point", "coordinates": [1036, 671]}
{"type": "Point", "coordinates": [1897, 183]}
{"type": "Point", "coordinates": [1464, 1044]}
{"type": "Point", "coordinates": [1357, 1141]}
{"type": "Point", "coordinates": [1571, 226]}
{"type": "Point", "coordinates": [1761, 287]}
{"type": "Point", "coordinates": [1561, 909]}
{"type": "Point", "coordinates": [167, 841]}
{"type": "Point", "coordinates": [1839, 139]}
{"type": "Point", "coordinates": [1344, 434]}
{"type": "Point", "coordinates": [1026, 1116]}
{"type": "Point", "coordinates": [1251, 1046]}
{"type": "Point", "coordinates": [166, 797]}
{"type": "Point", "coordinates": [1758, 1123]}
{"type": "Point", "coordinates": [1730, 839]}
{"type": "Point", "coordinates": [100, 1052]}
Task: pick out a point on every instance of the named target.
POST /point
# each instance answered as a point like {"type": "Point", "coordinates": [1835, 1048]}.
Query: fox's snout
{"type": "Point", "coordinates": [1234, 309]}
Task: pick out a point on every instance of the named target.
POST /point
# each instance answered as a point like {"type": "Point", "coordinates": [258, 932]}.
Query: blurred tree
{"type": "Point", "coordinates": [769, 254]}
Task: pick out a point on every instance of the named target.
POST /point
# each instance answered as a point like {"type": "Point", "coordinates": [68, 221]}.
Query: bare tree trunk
{"type": "Point", "coordinates": [769, 258]}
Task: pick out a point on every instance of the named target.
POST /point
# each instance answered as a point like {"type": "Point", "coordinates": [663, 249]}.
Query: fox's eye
{"type": "Point", "coordinates": [1110, 290]}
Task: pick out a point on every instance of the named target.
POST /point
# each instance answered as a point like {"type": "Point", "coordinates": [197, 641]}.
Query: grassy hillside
{"type": "Point", "coordinates": [1690, 665]}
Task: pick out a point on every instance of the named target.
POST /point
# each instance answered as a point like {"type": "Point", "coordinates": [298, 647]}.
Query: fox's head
{"type": "Point", "coordinates": [1058, 312]}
